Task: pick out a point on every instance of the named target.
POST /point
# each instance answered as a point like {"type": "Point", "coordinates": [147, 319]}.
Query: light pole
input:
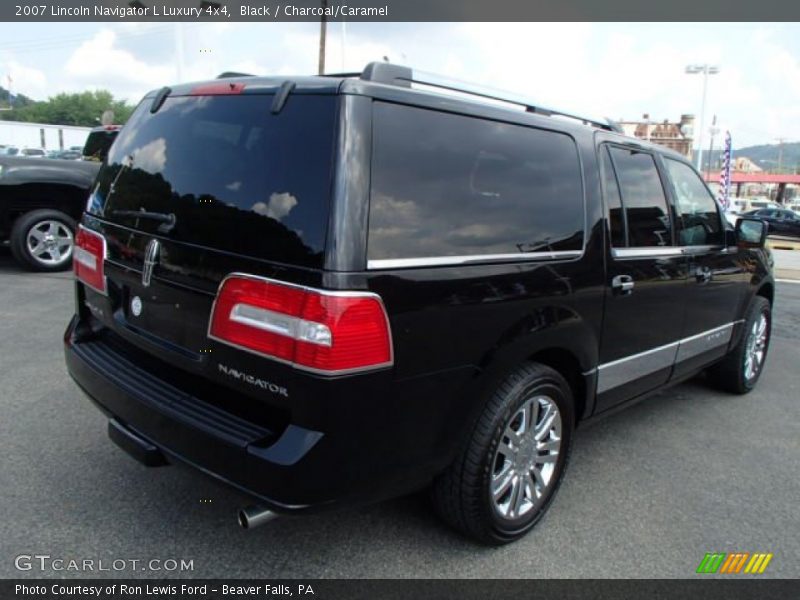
{"type": "Point", "coordinates": [706, 70]}
{"type": "Point", "coordinates": [322, 31]}
{"type": "Point", "coordinates": [714, 130]}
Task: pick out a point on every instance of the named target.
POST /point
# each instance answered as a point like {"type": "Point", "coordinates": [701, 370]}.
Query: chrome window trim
{"type": "Point", "coordinates": [702, 249]}
{"type": "Point", "coordinates": [440, 261]}
{"type": "Point", "coordinates": [646, 252]}
{"type": "Point", "coordinates": [629, 368]}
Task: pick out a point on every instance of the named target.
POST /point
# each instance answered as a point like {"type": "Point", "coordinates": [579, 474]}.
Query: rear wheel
{"type": "Point", "coordinates": [739, 371]}
{"type": "Point", "coordinates": [507, 475]}
{"type": "Point", "coordinates": [43, 240]}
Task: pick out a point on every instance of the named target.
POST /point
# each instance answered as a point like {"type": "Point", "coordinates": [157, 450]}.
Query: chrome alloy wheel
{"type": "Point", "coordinates": [756, 347]}
{"type": "Point", "coordinates": [525, 460]}
{"type": "Point", "coordinates": [49, 242]}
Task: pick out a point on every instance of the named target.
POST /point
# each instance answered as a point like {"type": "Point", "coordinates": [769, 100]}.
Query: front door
{"type": "Point", "coordinates": [717, 280]}
{"type": "Point", "coordinates": [646, 279]}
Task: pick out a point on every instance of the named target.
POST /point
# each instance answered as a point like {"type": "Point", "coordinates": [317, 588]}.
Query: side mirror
{"type": "Point", "coordinates": [751, 233]}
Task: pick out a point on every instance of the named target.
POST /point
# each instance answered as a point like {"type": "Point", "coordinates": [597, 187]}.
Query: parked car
{"type": "Point", "coordinates": [9, 151]}
{"type": "Point", "coordinates": [34, 152]}
{"type": "Point", "coordinates": [328, 291]}
{"type": "Point", "coordinates": [65, 154]}
{"type": "Point", "coordinates": [41, 199]}
{"type": "Point", "coordinates": [781, 221]}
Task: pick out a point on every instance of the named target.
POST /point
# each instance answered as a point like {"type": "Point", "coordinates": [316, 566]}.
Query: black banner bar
{"type": "Point", "coordinates": [416, 589]}
{"type": "Point", "coordinates": [397, 10]}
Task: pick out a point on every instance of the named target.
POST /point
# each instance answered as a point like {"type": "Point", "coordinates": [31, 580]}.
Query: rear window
{"type": "Point", "coordinates": [447, 185]}
{"type": "Point", "coordinates": [235, 176]}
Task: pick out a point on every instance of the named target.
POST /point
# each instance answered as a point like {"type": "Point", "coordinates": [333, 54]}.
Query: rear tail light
{"type": "Point", "coordinates": [88, 259]}
{"type": "Point", "coordinates": [314, 330]}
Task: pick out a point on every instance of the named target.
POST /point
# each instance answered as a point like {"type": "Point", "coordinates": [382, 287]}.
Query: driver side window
{"type": "Point", "coordinates": [698, 215]}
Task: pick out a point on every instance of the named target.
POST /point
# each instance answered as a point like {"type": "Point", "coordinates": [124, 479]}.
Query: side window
{"type": "Point", "coordinates": [643, 197]}
{"type": "Point", "coordinates": [446, 185]}
{"type": "Point", "coordinates": [699, 217]}
{"type": "Point", "coordinates": [616, 217]}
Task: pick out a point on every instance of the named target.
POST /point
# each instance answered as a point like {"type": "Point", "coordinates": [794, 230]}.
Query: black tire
{"type": "Point", "coordinates": [730, 373]}
{"type": "Point", "coordinates": [462, 494]}
{"type": "Point", "coordinates": [23, 228]}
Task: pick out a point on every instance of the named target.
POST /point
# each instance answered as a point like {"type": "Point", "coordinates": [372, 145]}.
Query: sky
{"type": "Point", "coordinates": [616, 70]}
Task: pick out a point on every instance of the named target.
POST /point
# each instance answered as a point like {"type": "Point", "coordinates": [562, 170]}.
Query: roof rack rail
{"type": "Point", "coordinates": [391, 74]}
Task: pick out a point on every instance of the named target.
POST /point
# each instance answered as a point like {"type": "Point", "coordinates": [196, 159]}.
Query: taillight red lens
{"type": "Point", "coordinates": [326, 332]}
{"type": "Point", "coordinates": [88, 259]}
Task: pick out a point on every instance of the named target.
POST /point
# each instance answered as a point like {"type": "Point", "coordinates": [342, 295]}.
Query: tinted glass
{"type": "Point", "coordinates": [700, 222]}
{"type": "Point", "coordinates": [643, 197]}
{"type": "Point", "coordinates": [236, 176]}
{"type": "Point", "coordinates": [616, 218]}
{"type": "Point", "coordinates": [450, 185]}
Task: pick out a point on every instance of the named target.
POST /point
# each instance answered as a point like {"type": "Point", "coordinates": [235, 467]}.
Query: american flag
{"type": "Point", "coordinates": [724, 198]}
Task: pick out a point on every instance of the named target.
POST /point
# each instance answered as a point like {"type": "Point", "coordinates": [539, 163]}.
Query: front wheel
{"type": "Point", "coordinates": [739, 371]}
{"type": "Point", "coordinates": [508, 473]}
{"type": "Point", "coordinates": [43, 240]}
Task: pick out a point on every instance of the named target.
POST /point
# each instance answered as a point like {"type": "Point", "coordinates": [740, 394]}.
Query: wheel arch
{"type": "Point", "coordinates": [567, 364]}
{"type": "Point", "coordinates": [27, 197]}
{"type": "Point", "coordinates": [569, 345]}
{"type": "Point", "coordinates": [767, 290]}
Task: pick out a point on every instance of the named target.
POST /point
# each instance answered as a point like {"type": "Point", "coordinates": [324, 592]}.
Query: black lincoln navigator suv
{"type": "Point", "coordinates": [335, 290]}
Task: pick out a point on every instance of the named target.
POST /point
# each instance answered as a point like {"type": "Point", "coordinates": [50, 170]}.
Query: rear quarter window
{"type": "Point", "coordinates": [446, 185]}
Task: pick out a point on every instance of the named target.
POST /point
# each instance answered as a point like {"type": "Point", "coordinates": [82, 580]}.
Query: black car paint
{"type": "Point", "coordinates": [28, 184]}
{"type": "Point", "coordinates": [456, 331]}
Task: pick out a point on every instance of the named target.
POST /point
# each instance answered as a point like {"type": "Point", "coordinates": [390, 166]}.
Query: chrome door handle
{"type": "Point", "coordinates": [622, 284]}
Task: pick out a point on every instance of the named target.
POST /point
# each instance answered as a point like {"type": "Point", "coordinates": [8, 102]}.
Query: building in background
{"type": "Point", "coordinates": [742, 164]}
{"type": "Point", "coordinates": [677, 136]}
{"type": "Point", "coordinates": [41, 135]}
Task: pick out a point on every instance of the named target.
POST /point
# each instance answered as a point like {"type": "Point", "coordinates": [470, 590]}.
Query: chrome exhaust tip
{"type": "Point", "coordinates": [254, 516]}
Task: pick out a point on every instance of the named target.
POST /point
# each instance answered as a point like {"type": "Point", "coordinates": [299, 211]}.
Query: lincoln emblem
{"type": "Point", "coordinates": [150, 260]}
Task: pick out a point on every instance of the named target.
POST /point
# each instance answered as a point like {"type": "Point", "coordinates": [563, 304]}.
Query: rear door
{"type": "Point", "coordinates": [717, 279]}
{"type": "Point", "coordinates": [646, 277]}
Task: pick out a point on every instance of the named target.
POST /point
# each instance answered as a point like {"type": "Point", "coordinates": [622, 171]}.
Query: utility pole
{"type": "Point", "coordinates": [322, 31]}
{"type": "Point", "coordinates": [780, 141]}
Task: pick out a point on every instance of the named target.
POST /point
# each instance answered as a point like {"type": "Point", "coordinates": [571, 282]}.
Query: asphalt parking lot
{"type": "Point", "coordinates": [649, 491]}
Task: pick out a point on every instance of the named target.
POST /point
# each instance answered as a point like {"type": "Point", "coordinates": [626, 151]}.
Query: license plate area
{"type": "Point", "coordinates": [172, 316]}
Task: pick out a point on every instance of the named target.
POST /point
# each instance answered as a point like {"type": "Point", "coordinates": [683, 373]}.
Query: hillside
{"type": "Point", "coordinates": [765, 156]}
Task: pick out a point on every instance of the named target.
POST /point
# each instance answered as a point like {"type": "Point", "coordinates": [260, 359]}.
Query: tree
{"type": "Point", "coordinates": [84, 109]}
{"type": "Point", "coordinates": [19, 99]}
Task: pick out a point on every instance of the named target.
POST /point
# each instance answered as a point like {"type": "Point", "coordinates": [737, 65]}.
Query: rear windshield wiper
{"type": "Point", "coordinates": [167, 220]}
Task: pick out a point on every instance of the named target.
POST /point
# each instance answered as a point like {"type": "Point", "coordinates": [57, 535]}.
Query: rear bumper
{"type": "Point", "coordinates": [290, 469]}
{"type": "Point", "coordinates": [182, 428]}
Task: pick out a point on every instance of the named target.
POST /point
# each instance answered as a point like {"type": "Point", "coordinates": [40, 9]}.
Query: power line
{"type": "Point", "coordinates": [64, 41]}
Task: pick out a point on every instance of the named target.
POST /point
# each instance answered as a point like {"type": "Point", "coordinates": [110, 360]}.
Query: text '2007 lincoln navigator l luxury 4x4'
{"type": "Point", "coordinates": [335, 290]}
